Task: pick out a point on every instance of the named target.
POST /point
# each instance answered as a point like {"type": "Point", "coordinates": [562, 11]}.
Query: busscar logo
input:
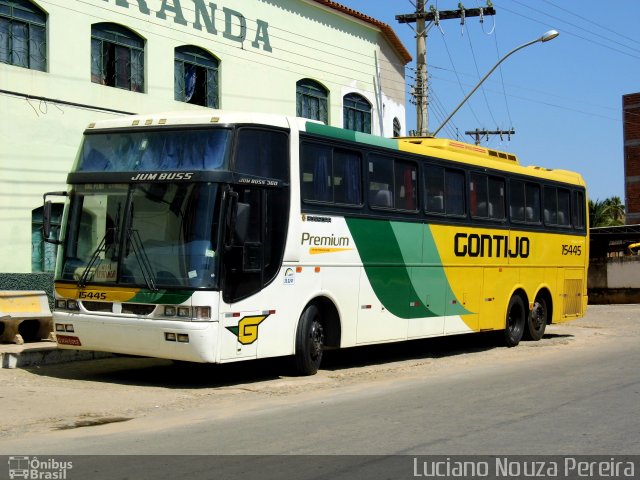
{"type": "Point", "coordinates": [35, 468]}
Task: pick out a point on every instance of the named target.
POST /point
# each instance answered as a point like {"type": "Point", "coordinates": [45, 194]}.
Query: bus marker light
{"type": "Point", "coordinates": [298, 269]}
{"type": "Point", "coordinates": [317, 269]}
{"type": "Point", "coordinates": [148, 121]}
{"type": "Point", "coordinates": [202, 312]}
{"type": "Point", "coordinates": [183, 337]}
{"type": "Point", "coordinates": [170, 336]}
{"type": "Point", "coordinates": [366, 307]}
{"type": "Point", "coordinates": [235, 314]}
{"type": "Point", "coordinates": [414, 304]}
{"type": "Point", "coordinates": [68, 340]}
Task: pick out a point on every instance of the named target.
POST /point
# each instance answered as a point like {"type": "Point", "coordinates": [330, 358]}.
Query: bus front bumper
{"type": "Point", "coordinates": [175, 340]}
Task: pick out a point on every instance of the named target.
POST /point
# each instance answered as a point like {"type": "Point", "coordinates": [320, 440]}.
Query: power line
{"type": "Point", "coordinates": [599, 25]}
{"type": "Point", "coordinates": [571, 33]}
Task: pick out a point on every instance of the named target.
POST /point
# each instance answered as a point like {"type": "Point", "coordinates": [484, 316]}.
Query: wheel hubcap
{"type": "Point", "coordinates": [317, 340]}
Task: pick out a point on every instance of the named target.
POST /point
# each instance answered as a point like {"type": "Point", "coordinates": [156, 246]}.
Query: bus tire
{"type": "Point", "coordinates": [516, 320]}
{"type": "Point", "coordinates": [309, 342]}
{"type": "Point", "coordinates": [537, 320]}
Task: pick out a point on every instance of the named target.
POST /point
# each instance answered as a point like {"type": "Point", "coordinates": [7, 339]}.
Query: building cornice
{"type": "Point", "coordinates": [386, 30]}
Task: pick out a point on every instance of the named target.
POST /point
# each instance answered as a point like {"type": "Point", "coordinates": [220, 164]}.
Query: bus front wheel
{"type": "Point", "coordinates": [309, 342]}
{"type": "Point", "coordinates": [515, 322]}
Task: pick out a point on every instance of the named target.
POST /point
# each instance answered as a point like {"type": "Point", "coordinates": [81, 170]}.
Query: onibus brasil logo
{"type": "Point", "coordinates": [34, 468]}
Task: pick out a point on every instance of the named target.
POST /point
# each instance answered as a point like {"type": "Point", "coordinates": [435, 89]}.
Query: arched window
{"type": "Point", "coordinates": [196, 77]}
{"type": "Point", "coordinates": [356, 113]}
{"type": "Point", "coordinates": [117, 57]}
{"type": "Point", "coordinates": [397, 128]}
{"type": "Point", "coordinates": [312, 100]}
{"type": "Point", "coordinates": [23, 34]}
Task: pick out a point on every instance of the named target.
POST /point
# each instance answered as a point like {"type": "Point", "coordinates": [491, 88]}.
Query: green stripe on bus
{"type": "Point", "coordinates": [167, 297]}
{"type": "Point", "coordinates": [350, 135]}
{"type": "Point", "coordinates": [404, 268]}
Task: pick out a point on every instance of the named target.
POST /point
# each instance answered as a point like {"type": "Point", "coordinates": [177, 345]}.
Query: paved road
{"type": "Point", "coordinates": [575, 392]}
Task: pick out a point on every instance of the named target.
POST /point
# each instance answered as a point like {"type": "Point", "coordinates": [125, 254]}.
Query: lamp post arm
{"type": "Point", "coordinates": [482, 81]}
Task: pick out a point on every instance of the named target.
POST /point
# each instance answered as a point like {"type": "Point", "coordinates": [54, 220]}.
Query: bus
{"type": "Point", "coordinates": [225, 236]}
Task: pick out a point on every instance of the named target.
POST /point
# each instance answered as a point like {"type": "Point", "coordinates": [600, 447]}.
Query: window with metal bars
{"type": "Point", "coordinates": [23, 34]}
{"type": "Point", "coordinates": [397, 127]}
{"type": "Point", "coordinates": [312, 100]}
{"type": "Point", "coordinates": [117, 57]}
{"type": "Point", "coordinates": [356, 113]}
{"type": "Point", "coordinates": [196, 77]}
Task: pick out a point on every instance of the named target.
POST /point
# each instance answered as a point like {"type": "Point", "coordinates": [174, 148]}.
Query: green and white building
{"type": "Point", "coordinates": [67, 63]}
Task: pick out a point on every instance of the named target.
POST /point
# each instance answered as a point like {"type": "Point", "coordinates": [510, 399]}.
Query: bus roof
{"type": "Point", "coordinates": [453, 150]}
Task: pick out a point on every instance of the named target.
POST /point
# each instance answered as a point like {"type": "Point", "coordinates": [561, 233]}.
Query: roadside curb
{"type": "Point", "coordinates": [43, 353]}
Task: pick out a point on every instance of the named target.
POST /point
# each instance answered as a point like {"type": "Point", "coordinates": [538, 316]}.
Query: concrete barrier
{"type": "Point", "coordinates": [25, 316]}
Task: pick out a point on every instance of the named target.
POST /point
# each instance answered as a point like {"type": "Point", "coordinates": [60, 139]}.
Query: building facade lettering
{"type": "Point", "coordinates": [235, 23]}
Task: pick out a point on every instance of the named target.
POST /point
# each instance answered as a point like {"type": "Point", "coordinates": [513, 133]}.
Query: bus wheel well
{"type": "Point", "coordinates": [523, 295]}
{"type": "Point", "coordinates": [546, 294]}
{"type": "Point", "coordinates": [330, 320]}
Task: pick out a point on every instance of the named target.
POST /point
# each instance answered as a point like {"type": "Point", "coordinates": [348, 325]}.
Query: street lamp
{"type": "Point", "coordinates": [550, 35]}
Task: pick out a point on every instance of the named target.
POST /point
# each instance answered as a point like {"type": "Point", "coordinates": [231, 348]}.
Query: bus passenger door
{"type": "Point", "coordinates": [254, 244]}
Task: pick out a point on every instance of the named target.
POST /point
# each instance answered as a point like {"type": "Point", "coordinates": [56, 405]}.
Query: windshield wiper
{"type": "Point", "coordinates": [133, 238]}
{"type": "Point", "coordinates": [82, 282]}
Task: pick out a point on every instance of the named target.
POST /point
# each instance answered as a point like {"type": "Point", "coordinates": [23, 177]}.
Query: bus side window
{"type": "Point", "coordinates": [346, 177]}
{"type": "Point", "coordinates": [405, 185]}
{"type": "Point", "coordinates": [316, 173]}
{"type": "Point", "coordinates": [264, 153]}
{"type": "Point", "coordinates": [550, 206]}
{"type": "Point", "coordinates": [516, 201]}
{"type": "Point", "coordinates": [434, 189]}
{"type": "Point", "coordinates": [578, 210]}
{"type": "Point", "coordinates": [381, 182]}
{"type": "Point", "coordinates": [478, 195]}
{"type": "Point", "coordinates": [564, 209]}
{"type": "Point", "coordinates": [454, 188]}
{"type": "Point", "coordinates": [532, 203]}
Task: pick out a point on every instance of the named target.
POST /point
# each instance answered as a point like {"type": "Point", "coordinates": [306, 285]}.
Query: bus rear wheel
{"type": "Point", "coordinates": [309, 342]}
{"type": "Point", "coordinates": [537, 321]}
{"type": "Point", "coordinates": [515, 322]}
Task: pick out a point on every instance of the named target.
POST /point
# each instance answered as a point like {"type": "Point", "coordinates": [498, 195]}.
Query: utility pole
{"type": "Point", "coordinates": [433, 16]}
{"type": "Point", "coordinates": [478, 134]}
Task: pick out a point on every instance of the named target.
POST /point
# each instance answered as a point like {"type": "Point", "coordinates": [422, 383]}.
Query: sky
{"type": "Point", "coordinates": [563, 98]}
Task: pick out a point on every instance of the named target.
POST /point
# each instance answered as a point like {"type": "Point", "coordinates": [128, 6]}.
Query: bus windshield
{"type": "Point", "coordinates": [176, 150]}
{"type": "Point", "coordinates": [153, 235]}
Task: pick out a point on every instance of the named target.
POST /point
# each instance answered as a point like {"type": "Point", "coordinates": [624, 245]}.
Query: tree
{"type": "Point", "coordinates": [606, 213]}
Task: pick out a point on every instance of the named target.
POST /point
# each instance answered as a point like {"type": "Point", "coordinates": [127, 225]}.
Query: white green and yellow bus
{"type": "Point", "coordinates": [224, 236]}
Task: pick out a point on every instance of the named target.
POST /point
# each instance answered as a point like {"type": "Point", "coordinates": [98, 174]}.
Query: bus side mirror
{"type": "Point", "coordinates": [46, 217]}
